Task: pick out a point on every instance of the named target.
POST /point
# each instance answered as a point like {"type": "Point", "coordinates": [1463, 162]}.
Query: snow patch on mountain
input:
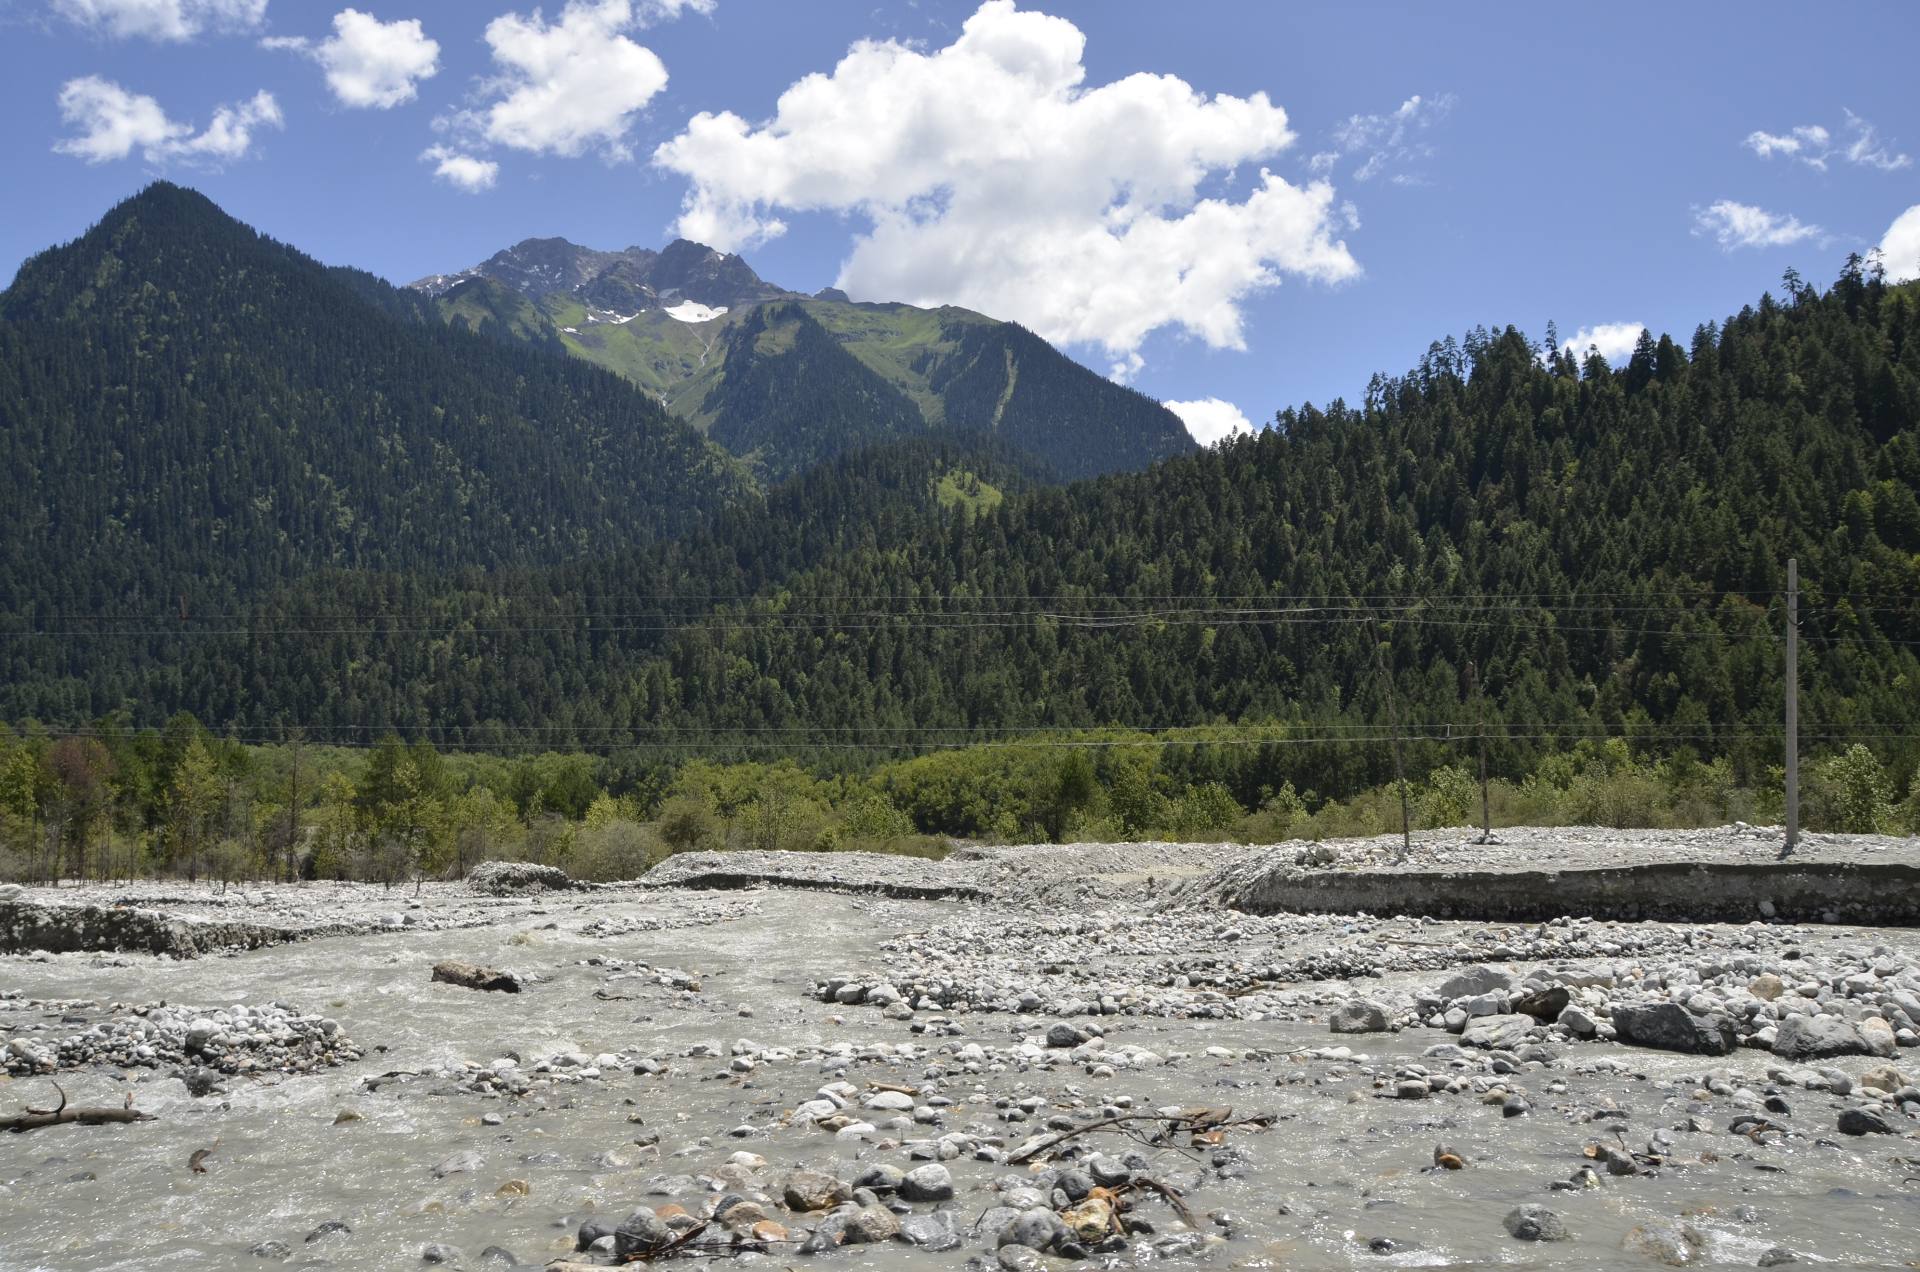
{"type": "Point", "coordinates": [694, 311]}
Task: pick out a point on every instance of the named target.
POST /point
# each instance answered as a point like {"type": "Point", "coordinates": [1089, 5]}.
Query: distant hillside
{"type": "Point", "coordinates": [669, 322]}
{"type": "Point", "coordinates": [1604, 546]}
{"type": "Point", "coordinates": [191, 413]}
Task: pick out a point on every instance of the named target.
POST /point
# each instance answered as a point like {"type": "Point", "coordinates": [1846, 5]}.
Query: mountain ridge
{"type": "Point", "coordinates": [665, 321]}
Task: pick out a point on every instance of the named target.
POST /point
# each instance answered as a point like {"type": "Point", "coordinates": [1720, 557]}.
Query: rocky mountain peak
{"type": "Point", "coordinates": [625, 282]}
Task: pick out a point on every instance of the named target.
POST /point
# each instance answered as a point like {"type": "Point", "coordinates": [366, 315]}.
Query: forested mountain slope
{"type": "Point", "coordinates": [1605, 546]}
{"type": "Point", "coordinates": [192, 413]}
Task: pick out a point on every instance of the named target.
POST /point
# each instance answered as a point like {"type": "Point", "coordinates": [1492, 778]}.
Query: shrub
{"type": "Point", "coordinates": [1451, 798]}
{"type": "Point", "coordinates": [871, 815]}
{"type": "Point", "coordinates": [616, 849]}
{"type": "Point", "coordinates": [1851, 793]}
{"type": "Point", "coordinates": [1205, 810]}
{"type": "Point", "coordinates": [688, 824]}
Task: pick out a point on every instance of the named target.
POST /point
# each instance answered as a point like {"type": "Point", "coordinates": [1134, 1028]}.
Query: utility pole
{"type": "Point", "coordinates": [1480, 729]}
{"type": "Point", "coordinates": [1399, 768]}
{"type": "Point", "coordinates": [1793, 704]}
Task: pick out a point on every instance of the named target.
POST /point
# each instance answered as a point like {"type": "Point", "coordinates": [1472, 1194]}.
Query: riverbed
{"type": "Point", "coordinates": [664, 1039]}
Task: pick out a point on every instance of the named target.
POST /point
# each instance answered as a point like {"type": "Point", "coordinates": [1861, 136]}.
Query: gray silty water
{"type": "Point", "coordinates": [1343, 1178]}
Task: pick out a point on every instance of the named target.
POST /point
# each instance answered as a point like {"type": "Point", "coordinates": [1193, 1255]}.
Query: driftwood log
{"type": "Point", "coordinates": [79, 1115]}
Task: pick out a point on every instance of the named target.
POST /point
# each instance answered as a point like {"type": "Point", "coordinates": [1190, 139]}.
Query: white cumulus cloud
{"type": "Point", "coordinates": [163, 19]}
{"type": "Point", "coordinates": [1900, 249]}
{"type": "Point", "coordinates": [990, 176]}
{"type": "Point", "coordinates": [462, 171]}
{"type": "Point", "coordinates": [569, 85]}
{"type": "Point", "coordinates": [1814, 145]}
{"type": "Point", "coordinates": [370, 63]}
{"type": "Point", "coordinates": [1614, 340]}
{"type": "Point", "coordinates": [1737, 225]}
{"type": "Point", "coordinates": [1211, 419]}
{"type": "Point", "coordinates": [654, 11]}
{"type": "Point", "coordinates": [111, 123]}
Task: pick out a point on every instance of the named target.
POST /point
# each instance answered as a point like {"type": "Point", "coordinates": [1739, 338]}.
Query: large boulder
{"type": "Point", "coordinates": [1819, 1038]}
{"type": "Point", "coordinates": [1864, 1122]}
{"type": "Point", "coordinates": [1671, 1027]}
{"type": "Point", "coordinates": [1543, 1004]}
{"type": "Point", "coordinates": [931, 1182]}
{"type": "Point", "coordinates": [1535, 1223]}
{"type": "Point", "coordinates": [1475, 980]}
{"type": "Point", "coordinates": [1497, 1033]}
{"type": "Point", "coordinates": [1358, 1016]}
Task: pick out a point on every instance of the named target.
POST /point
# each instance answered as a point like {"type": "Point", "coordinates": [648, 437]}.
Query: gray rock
{"type": "Point", "coordinates": [1864, 1122]}
{"type": "Point", "coordinates": [1671, 1027]}
{"type": "Point", "coordinates": [1493, 1003]}
{"type": "Point", "coordinates": [1502, 1033]}
{"type": "Point", "coordinates": [931, 1231]}
{"type": "Point", "coordinates": [1535, 1223]}
{"type": "Point", "coordinates": [640, 1233]}
{"type": "Point", "coordinates": [200, 1081]}
{"type": "Point", "coordinates": [331, 1228]}
{"type": "Point", "coordinates": [870, 1225]}
{"type": "Point", "coordinates": [881, 1177]}
{"type": "Point", "coordinates": [1475, 980]}
{"type": "Point", "coordinates": [932, 1182]}
{"type": "Point", "coordinates": [1358, 1016]}
{"type": "Point", "coordinates": [271, 1250]}
{"type": "Point", "coordinates": [1818, 1038]}
{"type": "Point", "coordinates": [1075, 1183]}
{"type": "Point", "coordinates": [591, 1231]}
{"type": "Point", "coordinates": [1036, 1229]}
{"type": "Point", "coordinates": [1579, 1022]}
{"type": "Point", "coordinates": [806, 1190]}
{"type": "Point", "coordinates": [1019, 1258]}
{"type": "Point", "coordinates": [1674, 1244]}
{"type": "Point", "coordinates": [1062, 1034]}
{"type": "Point", "coordinates": [439, 1253]}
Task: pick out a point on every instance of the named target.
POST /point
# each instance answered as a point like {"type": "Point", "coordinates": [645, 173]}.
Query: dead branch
{"type": "Point", "coordinates": [1190, 1119]}
{"type": "Point", "coordinates": [33, 1119]}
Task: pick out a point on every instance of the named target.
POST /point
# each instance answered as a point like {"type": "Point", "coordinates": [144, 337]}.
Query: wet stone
{"type": "Point", "coordinates": [1535, 1223]}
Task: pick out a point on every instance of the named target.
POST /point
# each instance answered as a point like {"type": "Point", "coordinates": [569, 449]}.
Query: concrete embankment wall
{"type": "Point", "coordinates": [60, 929]}
{"type": "Point", "coordinates": [904, 889]}
{"type": "Point", "coordinates": [1883, 894]}
{"type": "Point", "coordinates": [906, 877]}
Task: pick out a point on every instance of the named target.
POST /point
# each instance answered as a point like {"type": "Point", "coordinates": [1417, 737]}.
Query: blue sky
{"type": "Point", "coordinates": [1092, 169]}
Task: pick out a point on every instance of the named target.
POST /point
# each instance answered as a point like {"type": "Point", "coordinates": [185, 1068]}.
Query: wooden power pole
{"type": "Point", "coordinates": [1399, 765]}
{"type": "Point", "coordinates": [1793, 704]}
{"type": "Point", "coordinates": [1480, 731]}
